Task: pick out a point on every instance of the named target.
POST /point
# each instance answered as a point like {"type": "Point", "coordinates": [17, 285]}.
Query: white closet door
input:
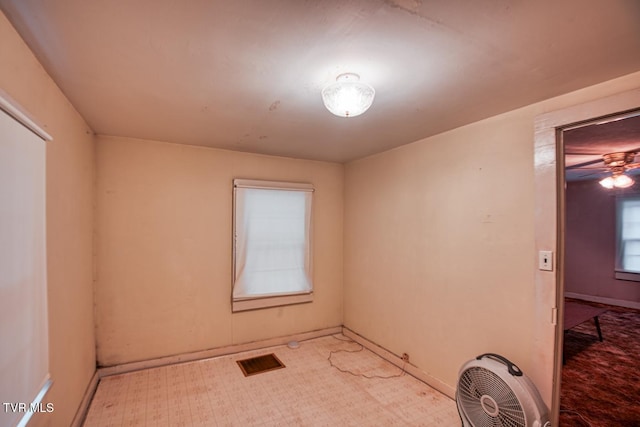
{"type": "Point", "coordinates": [24, 360]}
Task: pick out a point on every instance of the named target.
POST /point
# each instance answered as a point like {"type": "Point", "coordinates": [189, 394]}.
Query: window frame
{"type": "Point", "coordinates": [239, 304]}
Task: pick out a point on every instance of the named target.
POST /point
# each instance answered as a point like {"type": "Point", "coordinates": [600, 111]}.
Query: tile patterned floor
{"type": "Point", "coordinates": [308, 392]}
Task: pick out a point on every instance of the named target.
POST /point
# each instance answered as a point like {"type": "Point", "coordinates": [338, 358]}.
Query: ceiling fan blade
{"type": "Point", "coordinates": [598, 153]}
{"type": "Point", "coordinates": [597, 168]}
{"type": "Point", "coordinates": [632, 166]}
{"type": "Point", "coordinates": [589, 174]}
{"type": "Point", "coordinates": [574, 153]}
{"type": "Point", "coordinates": [583, 164]}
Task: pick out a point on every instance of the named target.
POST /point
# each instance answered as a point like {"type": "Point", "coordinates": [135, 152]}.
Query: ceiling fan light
{"type": "Point", "coordinates": [622, 181]}
{"type": "Point", "coordinates": [348, 96]}
{"type": "Point", "coordinates": [607, 182]}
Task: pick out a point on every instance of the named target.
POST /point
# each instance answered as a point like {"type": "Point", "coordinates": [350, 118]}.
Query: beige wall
{"type": "Point", "coordinates": [164, 249]}
{"type": "Point", "coordinates": [439, 245]}
{"type": "Point", "coordinates": [591, 244]}
{"type": "Point", "coordinates": [69, 181]}
{"type": "Point", "coordinates": [440, 250]}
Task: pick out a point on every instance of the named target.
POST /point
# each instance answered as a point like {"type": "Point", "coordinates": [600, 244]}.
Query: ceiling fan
{"type": "Point", "coordinates": [616, 163]}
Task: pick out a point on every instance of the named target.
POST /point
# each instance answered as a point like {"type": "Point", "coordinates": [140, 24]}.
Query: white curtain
{"type": "Point", "coordinates": [272, 242]}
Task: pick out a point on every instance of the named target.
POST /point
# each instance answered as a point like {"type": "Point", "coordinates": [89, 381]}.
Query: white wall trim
{"type": "Point", "coordinates": [215, 352]}
{"type": "Point", "coordinates": [627, 276]}
{"type": "Point", "coordinates": [81, 414]}
{"type": "Point", "coordinates": [412, 370]}
{"type": "Point", "coordinates": [604, 300]}
{"type": "Point", "coordinates": [12, 108]}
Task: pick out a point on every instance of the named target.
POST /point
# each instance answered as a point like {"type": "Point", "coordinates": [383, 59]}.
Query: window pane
{"type": "Point", "coordinates": [631, 219]}
{"type": "Point", "coordinates": [631, 255]}
{"type": "Point", "coordinates": [628, 245]}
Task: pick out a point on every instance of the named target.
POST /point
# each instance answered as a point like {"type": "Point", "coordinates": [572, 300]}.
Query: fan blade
{"type": "Point", "coordinates": [589, 174]}
{"type": "Point", "coordinates": [598, 153]}
{"type": "Point", "coordinates": [587, 168]}
{"type": "Point", "coordinates": [632, 166]}
{"type": "Point", "coordinates": [573, 153]}
{"type": "Point", "coordinates": [580, 165]}
{"type": "Point", "coordinates": [633, 150]}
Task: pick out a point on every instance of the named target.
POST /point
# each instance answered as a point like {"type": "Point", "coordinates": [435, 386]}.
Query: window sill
{"type": "Point", "coordinates": [625, 275]}
{"type": "Point", "coordinates": [266, 302]}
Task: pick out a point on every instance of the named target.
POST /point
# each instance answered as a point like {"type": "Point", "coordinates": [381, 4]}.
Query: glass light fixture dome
{"type": "Point", "coordinates": [348, 96]}
{"type": "Point", "coordinates": [607, 182]}
{"type": "Point", "coordinates": [618, 181]}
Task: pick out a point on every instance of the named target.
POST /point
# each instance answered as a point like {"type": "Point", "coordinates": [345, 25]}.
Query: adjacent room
{"type": "Point", "coordinates": [356, 198]}
{"type": "Point", "coordinates": [602, 312]}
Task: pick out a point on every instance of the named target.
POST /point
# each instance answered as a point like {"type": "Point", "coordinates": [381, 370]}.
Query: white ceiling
{"type": "Point", "coordinates": [247, 75]}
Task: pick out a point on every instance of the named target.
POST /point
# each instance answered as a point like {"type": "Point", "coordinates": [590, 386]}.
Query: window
{"type": "Point", "coordinates": [271, 244]}
{"type": "Point", "coordinates": [628, 239]}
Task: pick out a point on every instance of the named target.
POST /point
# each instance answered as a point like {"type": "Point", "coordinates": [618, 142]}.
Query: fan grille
{"type": "Point", "coordinates": [477, 382]}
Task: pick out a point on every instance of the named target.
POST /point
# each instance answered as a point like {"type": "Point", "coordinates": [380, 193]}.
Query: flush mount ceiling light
{"type": "Point", "coordinates": [348, 96]}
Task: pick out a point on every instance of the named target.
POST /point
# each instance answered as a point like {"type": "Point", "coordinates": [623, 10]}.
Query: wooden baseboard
{"type": "Point", "coordinates": [604, 300]}
{"type": "Point", "coordinates": [215, 352]}
{"type": "Point", "coordinates": [395, 359]}
{"type": "Point", "coordinates": [412, 370]}
{"type": "Point", "coordinates": [81, 414]}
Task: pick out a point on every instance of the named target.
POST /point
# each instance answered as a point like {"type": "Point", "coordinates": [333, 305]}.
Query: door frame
{"type": "Point", "coordinates": [550, 223]}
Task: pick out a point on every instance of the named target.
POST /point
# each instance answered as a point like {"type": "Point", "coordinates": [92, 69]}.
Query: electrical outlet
{"type": "Point", "coordinates": [405, 357]}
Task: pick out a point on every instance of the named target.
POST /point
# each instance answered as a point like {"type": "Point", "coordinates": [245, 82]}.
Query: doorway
{"type": "Point", "coordinates": [601, 176]}
{"type": "Point", "coordinates": [550, 223]}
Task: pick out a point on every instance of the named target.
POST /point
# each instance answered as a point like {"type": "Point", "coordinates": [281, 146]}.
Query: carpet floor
{"type": "Point", "coordinates": [601, 380]}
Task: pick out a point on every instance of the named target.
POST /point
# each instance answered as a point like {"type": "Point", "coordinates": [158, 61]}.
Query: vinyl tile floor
{"type": "Point", "coordinates": [327, 381]}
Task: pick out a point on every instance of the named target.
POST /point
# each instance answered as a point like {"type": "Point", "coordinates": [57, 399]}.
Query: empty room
{"type": "Point", "coordinates": [297, 213]}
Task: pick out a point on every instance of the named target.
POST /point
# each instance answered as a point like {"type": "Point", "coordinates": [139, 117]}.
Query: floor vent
{"type": "Point", "coordinates": [260, 364]}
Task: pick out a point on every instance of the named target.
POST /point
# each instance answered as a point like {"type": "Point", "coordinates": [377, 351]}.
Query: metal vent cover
{"type": "Point", "coordinates": [260, 364]}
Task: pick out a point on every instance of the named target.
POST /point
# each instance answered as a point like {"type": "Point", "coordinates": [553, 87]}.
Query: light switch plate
{"type": "Point", "coordinates": [545, 260]}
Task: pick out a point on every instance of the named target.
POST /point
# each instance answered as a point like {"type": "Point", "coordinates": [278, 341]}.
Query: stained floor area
{"type": "Point", "coordinates": [328, 381]}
